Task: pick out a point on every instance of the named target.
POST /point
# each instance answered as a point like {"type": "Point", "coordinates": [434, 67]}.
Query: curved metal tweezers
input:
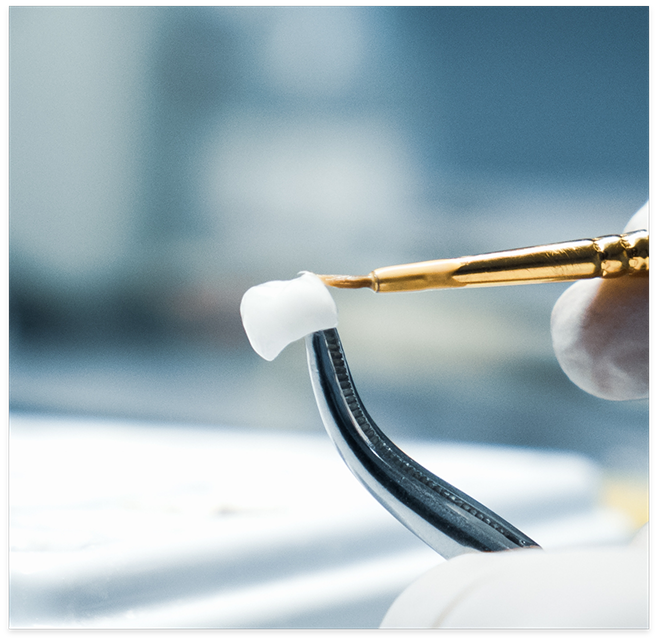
{"type": "Point", "coordinates": [445, 518]}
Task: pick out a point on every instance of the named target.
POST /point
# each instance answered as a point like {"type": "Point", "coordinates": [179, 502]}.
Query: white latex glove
{"type": "Point", "coordinates": [600, 334]}
{"type": "Point", "coordinates": [600, 587]}
{"type": "Point", "coordinates": [600, 331]}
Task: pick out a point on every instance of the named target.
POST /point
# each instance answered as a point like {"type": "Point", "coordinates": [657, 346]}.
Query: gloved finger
{"type": "Point", "coordinates": [600, 332]}
{"type": "Point", "coordinates": [604, 587]}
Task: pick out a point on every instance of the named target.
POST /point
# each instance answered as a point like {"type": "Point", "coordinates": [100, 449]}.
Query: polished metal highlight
{"type": "Point", "coordinates": [605, 257]}
{"type": "Point", "coordinates": [445, 518]}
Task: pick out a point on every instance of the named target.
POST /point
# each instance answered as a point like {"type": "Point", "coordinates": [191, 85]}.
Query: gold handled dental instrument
{"type": "Point", "coordinates": [604, 257]}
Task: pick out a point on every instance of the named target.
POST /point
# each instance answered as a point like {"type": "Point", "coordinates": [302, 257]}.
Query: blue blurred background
{"type": "Point", "coordinates": [165, 159]}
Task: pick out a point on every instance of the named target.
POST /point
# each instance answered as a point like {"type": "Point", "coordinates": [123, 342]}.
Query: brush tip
{"type": "Point", "coordinates": [347, 282]}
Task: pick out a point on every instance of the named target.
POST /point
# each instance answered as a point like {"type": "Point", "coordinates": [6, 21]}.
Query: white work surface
{"type": "Point", "coordinates": [118, 524]}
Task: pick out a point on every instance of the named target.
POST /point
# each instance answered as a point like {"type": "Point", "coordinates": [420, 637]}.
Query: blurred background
{"type": "Point", "coordinates": [165, 159]}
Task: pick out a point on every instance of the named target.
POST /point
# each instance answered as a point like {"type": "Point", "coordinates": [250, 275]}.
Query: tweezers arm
{"type": "Point", "coordinates": [445, 518]}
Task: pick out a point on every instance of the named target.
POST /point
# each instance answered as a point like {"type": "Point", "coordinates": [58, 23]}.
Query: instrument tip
{"type": "Point", "coordinates": [347, 282]}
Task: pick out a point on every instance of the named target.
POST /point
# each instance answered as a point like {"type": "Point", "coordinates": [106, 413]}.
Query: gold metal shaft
{"type": "Point", "coordinates": [605, 257]}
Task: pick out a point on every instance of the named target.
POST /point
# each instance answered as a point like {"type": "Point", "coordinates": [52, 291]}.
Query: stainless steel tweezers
{"type": "Point", "coordinates": [445, 518]}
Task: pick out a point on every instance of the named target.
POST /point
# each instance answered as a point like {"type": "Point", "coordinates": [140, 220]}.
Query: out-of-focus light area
{"type": "Point", "coordinates": [164, 160]}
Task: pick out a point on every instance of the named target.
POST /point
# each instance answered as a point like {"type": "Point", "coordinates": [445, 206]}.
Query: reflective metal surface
{"type": "Point", "coordinates": [448, 520]}
{"type": "Point", "coordinates": [604, 257]}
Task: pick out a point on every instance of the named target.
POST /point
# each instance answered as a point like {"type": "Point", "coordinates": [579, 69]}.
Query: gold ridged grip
{"type": "Point", "coordinates": [604, 257]}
